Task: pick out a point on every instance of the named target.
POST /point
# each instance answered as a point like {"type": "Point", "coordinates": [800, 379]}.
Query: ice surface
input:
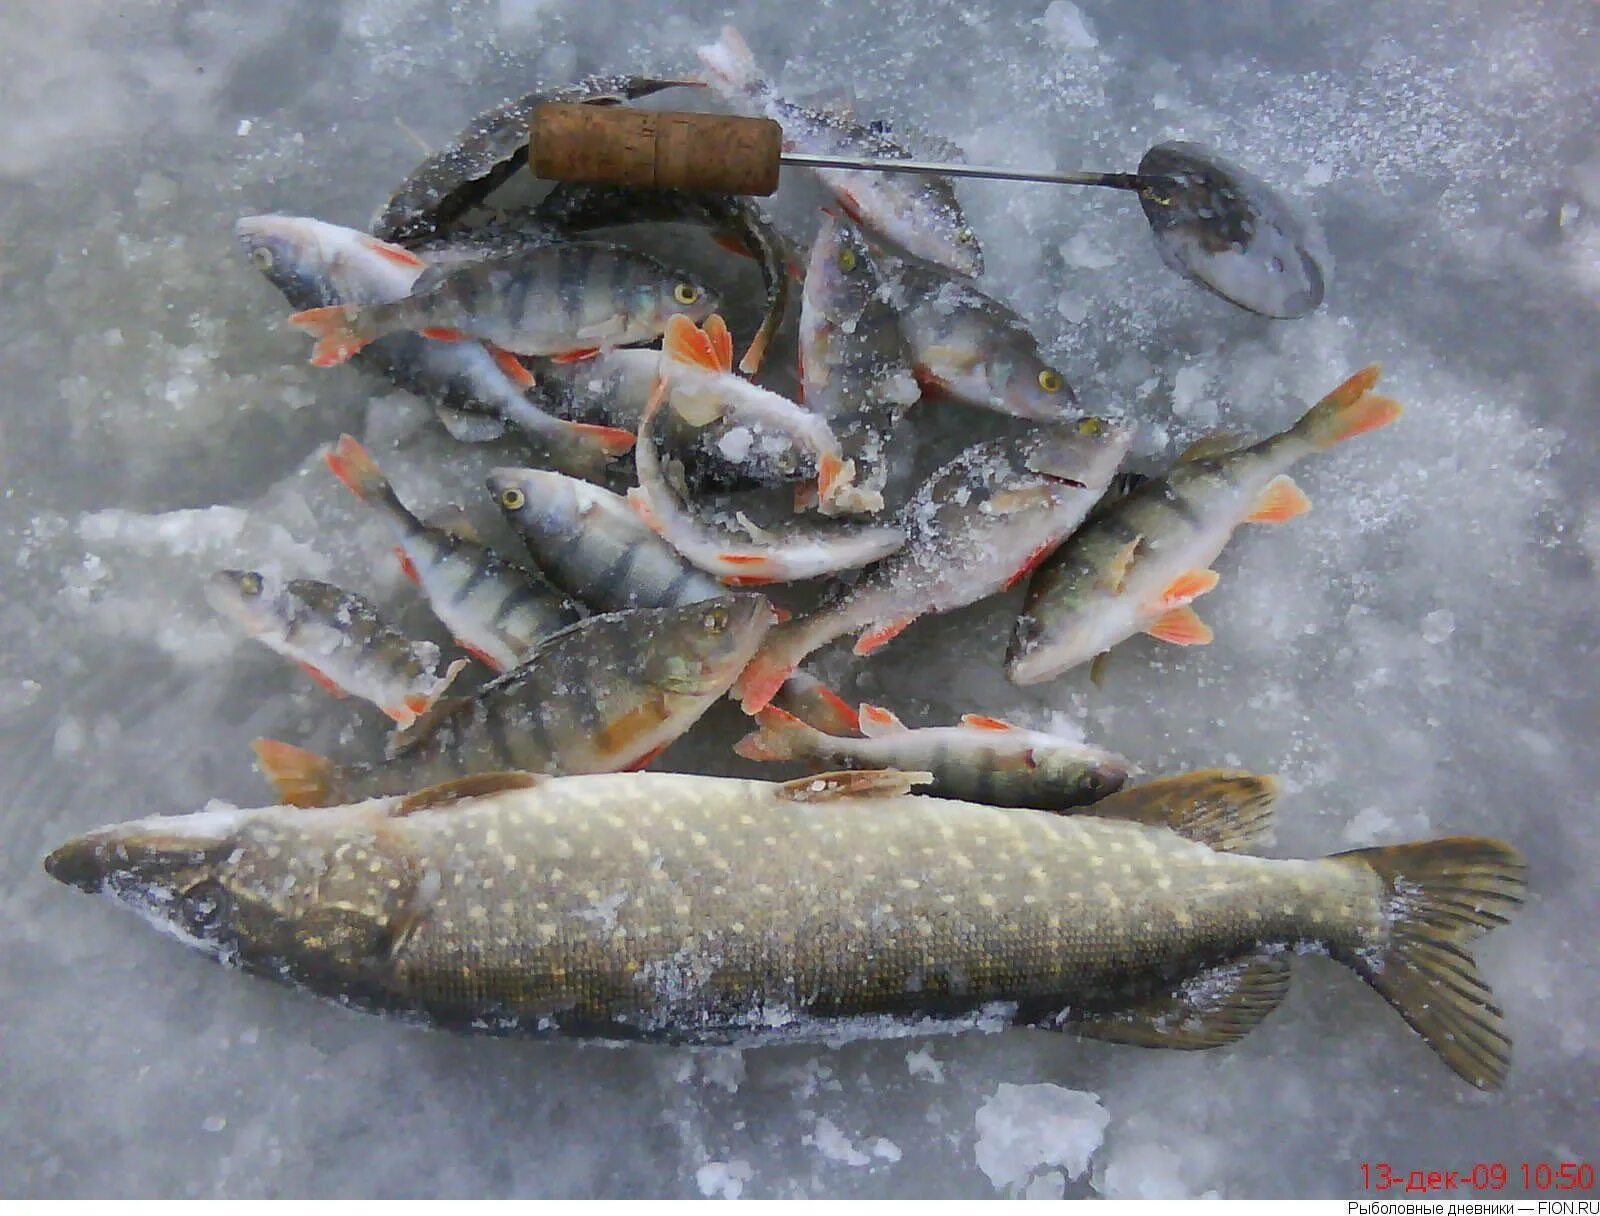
{"type": "Point", "coordinates": [1416, 655]}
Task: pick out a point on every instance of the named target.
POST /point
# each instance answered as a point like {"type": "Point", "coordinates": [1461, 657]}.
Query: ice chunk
{"type": "Point", "coordinates": [921, 1063]}
{"type": "Point", "coordinates": [723, 1179]}
{"type": "Point", "coordinates": [833, 1144]}
{"type": "Point", "coordinates": [1024, 1127]}
{"type": "Point", "coordinates": [1067, 28]}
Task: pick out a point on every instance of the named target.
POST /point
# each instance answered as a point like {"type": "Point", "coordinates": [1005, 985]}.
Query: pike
{"type": "Point", "coordinates": [609, 693]}
{"type": "Point", "coordinates": [978, 525]}
{"type": "Point", "coordinates": [1137, 566]}
{"type": "Point", "coordinates": [495, 610]}
{"type": "Point", "coordinates": [678, 908]}
{"type": "Point", "coordinates": [338, 638]}
{"type": "Point", "coordinates": [564, 299]}
{"type": "Point", "coordinates": [982, 759]}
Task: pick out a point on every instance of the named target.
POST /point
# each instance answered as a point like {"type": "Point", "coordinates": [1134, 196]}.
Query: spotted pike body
{"type": "Point", "coordinates": [607, 694]}
{"type": "Point", "coordinates": [982, 759]}
{"type": "Point", "coordinates": [476, 394]}
{"type": "Point", "coordinates": [970, 347]}
{"type": "Point", "coordinates": [855, 368]}
{"type": "Point", "coordinates": [337, 637]}
{"type": "Point", "coordinates": [496, 610]}
{"type": "Point", "coordinates": [917, 213]}
{"type": "Point", "coordinates": [1139, 564]}
{"type": "Point", "coordinates": [567, 298]}
{"type": "Point", "coordinates": [709, 910]}
{"type": "Point", "coordinates": [978, 525]}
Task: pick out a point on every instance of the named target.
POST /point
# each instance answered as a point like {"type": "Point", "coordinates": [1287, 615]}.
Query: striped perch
{"type": "Point", "coordinates": [495, 610]}
{"type": "Point", "coordinates": [568, 300]}
{"type": "Point", "coordinates": [1138, 565]}
{"type": "Point", "coordinates": [606, 695]}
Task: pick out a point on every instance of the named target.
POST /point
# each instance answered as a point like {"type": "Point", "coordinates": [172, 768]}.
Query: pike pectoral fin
{"type": "Point", "coordinates": [1226, 809]}
{"type": "Point", "coordinates": [1219, 1005]}
{"type": "Point", "coordinates": [478, 785]}
{"type": "Point", "coordinates": [867, 783]}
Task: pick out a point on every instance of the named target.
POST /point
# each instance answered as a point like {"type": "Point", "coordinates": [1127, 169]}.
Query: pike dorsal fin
{"type": "Point", "coordinates": [1216, 1006]}
{"type": "Point", "coordinates": [1227, 809]}
{"type": "Point", "coordinates": [476, 786]}
{"type": "Point", "coordinates": [865, 783]}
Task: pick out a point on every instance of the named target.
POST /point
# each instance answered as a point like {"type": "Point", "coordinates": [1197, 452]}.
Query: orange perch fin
{"type": "Point", "coordinates": [301, 777]}
{"type": "Point", "coordinates": [877, 721]}
{"type": "Point", "coordinates": [1190, 585]}
{"type": "Point", "coordinates": [612, 440]}
{"type": "Point", "coordinates": [1182, 627]}
{"type": "Point", "coordinates": [335, 333]}
{"type": "Point", "coordinates": [1280, 502]}
{"type": "Point", "coordinates": [321, 677]}
{"type": "Point", "coordinates": [984, 722]}
{"type": "Point", "coordinates": [882, 634]}
{"type": "Point", "coordinates": [760, 681]}
{"type": "Point", "coordinates": [515, 369]}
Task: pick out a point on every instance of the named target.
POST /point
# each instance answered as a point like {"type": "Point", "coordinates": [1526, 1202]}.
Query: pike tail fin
{"type": "Point", "coordinates": [337, 330]}
{"type": "Point", "coordinates": [1351, 409]}
{"type": "Point", "coordinates": [1441, 895]}
{"type": "Point", "coordinates": [301, 777]}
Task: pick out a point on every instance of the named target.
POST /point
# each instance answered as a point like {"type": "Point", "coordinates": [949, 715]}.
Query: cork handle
{"type": "Point", "coordinates": [655, 149]}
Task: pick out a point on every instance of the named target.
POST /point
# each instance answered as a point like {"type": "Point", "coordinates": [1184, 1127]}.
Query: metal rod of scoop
{"type": "Point", "coordinates": [1115, 181]}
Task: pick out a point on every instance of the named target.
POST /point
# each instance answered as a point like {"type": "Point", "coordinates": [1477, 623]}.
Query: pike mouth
{"type": "Point", "coordinates": [1065, 481]}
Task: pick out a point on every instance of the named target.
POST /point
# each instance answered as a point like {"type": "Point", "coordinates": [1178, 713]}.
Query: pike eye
{"type": "Point", "coordinates": [250, 584]}
{"type": "Point", "coordinates": [1050, 380]}
{"type": "Point", "coordinates": [965, 236]}
{"type": "Point", "coordinates": [261, 257]}
{"type": "Point", "coordinates": [685, 293]}
{"type": "Point", "coordinates": [513, 499]}
{"type": "Point", "coordinates": [847, 259]}
{"type": "Point", "coordinates": [204, 907]}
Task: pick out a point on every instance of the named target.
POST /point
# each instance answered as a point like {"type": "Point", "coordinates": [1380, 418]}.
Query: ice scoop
{"type": "Point", "coordinates": [1213, 222]}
